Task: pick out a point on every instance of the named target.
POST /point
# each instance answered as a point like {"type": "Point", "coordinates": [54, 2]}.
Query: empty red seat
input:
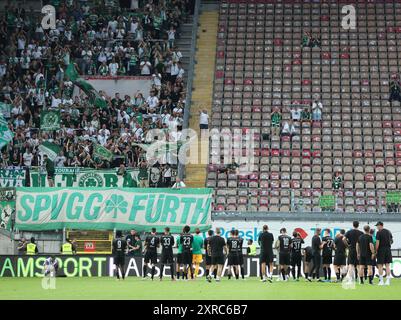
{"type": "Point", "coordinates": [219, 74]}
{"type": "Point", "coordinates": [369, 177]}
{"type": "Point", "coordinates": [275, 152]}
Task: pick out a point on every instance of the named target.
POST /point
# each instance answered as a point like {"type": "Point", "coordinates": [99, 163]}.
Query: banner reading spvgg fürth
{"type": "Point", "coordinates": [112, 208]}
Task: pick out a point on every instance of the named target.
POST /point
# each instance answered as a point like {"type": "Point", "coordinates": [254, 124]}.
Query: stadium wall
{"type": "Point", "coordinates": [250, 229]}
{"type": "Point", "coordinates": [103, 266]}
{"type": "Point", "coordinates": [124, 85]}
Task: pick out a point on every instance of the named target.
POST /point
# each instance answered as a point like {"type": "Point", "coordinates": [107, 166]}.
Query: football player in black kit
{"type": "Point", "coordinates": [266, 241]}
{"type": "Point", "coordinates": [384, 240]}
{"type": "Point", "coordinates": [350, 239]}
{"type": "Point", "coordinates": [167, 243]}
{"type": "Point", "coordinates": [208, 257]}
{"type": "Point", "coordinates": [186, 240]}
{"type": "Point", "coordinates": [327, 254]}
{"type": "Point", "coordinates": [233, 255]}
{"type": "Point", "coordinates": [240, 254]}
{"type": "Point", "coordinates": [152, 242]}
{"type": "Point", "coordinates": [218, 250]}
{"type": "Point", "coordinates": [119, 248]}
{"type": "Point", "coordinates": [317, 246]}
{"type": "Point", "coordinates": [284, 247]}
{"type": "Point", "coordinates": [308, 256]}
{"type": "Point", "coordinates": [365, 251]}
{"type": "Point", "coordinates": [296, 254]}
{"type": "Point", "coordinates": [340, 259]}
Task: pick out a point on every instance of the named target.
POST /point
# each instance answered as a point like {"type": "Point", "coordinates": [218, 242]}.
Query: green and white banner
{"type": "Point", "coordinates": [50, 149]}
{"type": "Point", "coordinates": [102, 152]}
{"type": "Point", "coordinates": [12, 178]}
{"type": "Point", "coordinates": [39, 209]}
{"type": "Point", "coordinates": [7, 207]}
{"type": "Point", "coordinates": [50, 120]}
{"type": "Point", "coordinates": [6, 135]}
{"type": "Point", "coordinates": [5, 109]}
{"type": "Point", "coordinates": [84, 177]}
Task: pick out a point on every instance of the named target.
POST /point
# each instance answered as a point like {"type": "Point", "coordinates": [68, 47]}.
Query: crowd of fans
{"type": "Point", "coordinates": [100, 37]}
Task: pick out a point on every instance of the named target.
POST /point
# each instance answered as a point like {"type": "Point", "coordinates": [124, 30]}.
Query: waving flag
{"type": "Point", "coordinates": [94, 97]}
{"type": "Point", "coordinates": [6, 134]}
{"type": "Point", "coordinates": [50, 149]}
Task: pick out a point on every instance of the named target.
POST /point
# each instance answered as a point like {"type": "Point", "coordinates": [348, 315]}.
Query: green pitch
{"type": "Point", "coordinates": [134, 288]}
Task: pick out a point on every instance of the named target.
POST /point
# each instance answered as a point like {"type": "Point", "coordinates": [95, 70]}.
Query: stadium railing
{"type": "Point", "coordinates": [187, 111]}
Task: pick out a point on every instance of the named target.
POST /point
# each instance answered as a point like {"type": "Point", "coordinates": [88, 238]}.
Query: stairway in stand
{"type": "Point", "coordinates": [202, 93]}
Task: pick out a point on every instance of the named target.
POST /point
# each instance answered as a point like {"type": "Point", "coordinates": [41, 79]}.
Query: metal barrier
{"type": "Point", "coordinates": [181, 167]}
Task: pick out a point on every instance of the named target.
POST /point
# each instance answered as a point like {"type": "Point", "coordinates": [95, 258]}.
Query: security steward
{"type": "Point", "coordinates": [68, 248]}
{"type": "Point", "coordinates": [32, 248]}
{"type": "Point", "coordinates": [251, 250]}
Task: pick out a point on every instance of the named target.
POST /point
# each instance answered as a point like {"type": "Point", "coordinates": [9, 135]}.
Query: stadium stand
{"type": "Point", "coordinates": [102, 38]}
{"type": "Point", "coordinates": [261, 66]}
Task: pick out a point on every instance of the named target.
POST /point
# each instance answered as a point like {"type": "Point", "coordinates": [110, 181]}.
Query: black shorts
{"type": "Point", "coordinates": [186, 257]}
{"type": "Point", "coordinates": [353, 258]}
{"type": "Point", "coordinates": [119, 260]}
{"type": "Point", "coordinates": [208, 259]}
{"type": "Point", "coordinates": [217, 260]}
{"type": "Point", "coordinates": [241, 259]}
{"type": "Point", "coordinates": [266, 257]}
{"type": "Point", "coordinates": [284, 259]}
{"type": "Point", "coordinates": [233, 260]}
{"type": "Point", "coordinates": [384, 256]}
{"type": "Point", "coordinates": [179, 258]}
{"type": "Point", "coordinates": [365, 261]}
{"type": "Point", "coordinates": [340, 260]}
{"type": "Point", "coordinates": [296, 259]}
{"type": "Point", "coordinates": [308, 258]}
{"type": "Point", "coordinates": [327, 259]}
{"type": "Point", "coordinates": [167, 258]}
{"type": "Point", "coordinates": [151, 256]}
{"type": "Point", "coordinates": [373, 262]}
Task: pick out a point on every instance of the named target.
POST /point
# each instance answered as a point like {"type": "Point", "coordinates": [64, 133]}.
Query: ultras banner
{"type": "Point", "coordinates": [81, 177]}
{"type": "Point", "coordinates": [103, 266]}
{"type": "Point", "coordinates": [39, 209]}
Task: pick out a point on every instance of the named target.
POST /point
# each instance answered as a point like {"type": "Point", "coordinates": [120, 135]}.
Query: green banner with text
{"type": "Point", "coordinates": [39, 209]}
{"type": "Point", "coordinates": [84, 177]}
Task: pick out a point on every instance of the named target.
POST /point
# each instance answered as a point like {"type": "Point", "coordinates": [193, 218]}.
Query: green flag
{"type": "Point", "coordinates": [7, 210]}
{"type": "Point", "coordinates": [50, 120]}
{"type": "Point", "coordinates": [71, 72]}
{"type": "Point", "coordinates": [50, 149]}
{"type": "Point", "coordinates": [6, 134]}
{"type": "Point", "coordinates": [94, 97]}
{"type": "Point", "coordinates": [5, 109]}
{"type": "Point", "coordinates": [327, 201]}
{"type": "Point", "coordinates": [102, 152]}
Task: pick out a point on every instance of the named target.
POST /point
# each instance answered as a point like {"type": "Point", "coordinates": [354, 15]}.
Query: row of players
{"type": "Point", "coordinates": [364, 251]}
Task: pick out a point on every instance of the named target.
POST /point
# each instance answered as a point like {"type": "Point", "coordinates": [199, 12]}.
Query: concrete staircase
{"type": "Point", "coordinates": [184, 45]}
{"type": "Point", "coordinates": [202, 92]}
